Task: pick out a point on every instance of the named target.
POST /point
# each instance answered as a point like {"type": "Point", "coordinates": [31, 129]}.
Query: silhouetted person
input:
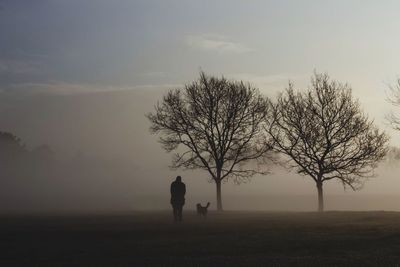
{"type": "Point", "coordinates": [178, 190]}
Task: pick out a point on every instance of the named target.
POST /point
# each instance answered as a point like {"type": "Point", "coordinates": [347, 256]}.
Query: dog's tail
{"type": "Point", "coordinates": [208, 204]}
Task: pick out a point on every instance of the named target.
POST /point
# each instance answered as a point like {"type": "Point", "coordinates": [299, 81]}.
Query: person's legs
{"type": "Point", "coordinates": [175, 212]}
{"type": "Point", "coordinates": [180, 212]}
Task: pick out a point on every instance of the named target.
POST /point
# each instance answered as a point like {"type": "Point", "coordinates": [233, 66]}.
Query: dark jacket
{"type": "Point", "coordinates": [178, 190]}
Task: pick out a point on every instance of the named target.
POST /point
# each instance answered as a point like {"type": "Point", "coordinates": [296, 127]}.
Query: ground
{"type": "Point", "coordinates": [223, 239]}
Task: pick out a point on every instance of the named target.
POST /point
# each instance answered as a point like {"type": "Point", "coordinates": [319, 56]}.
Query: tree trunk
{"type": "Point", "coordinates": [320, 197]}
{"type": "Point", "coordinates": [219, 199]}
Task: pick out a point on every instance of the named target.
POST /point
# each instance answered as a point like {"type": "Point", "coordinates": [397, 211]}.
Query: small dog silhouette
{"type": "Point", "coordinates": [202, 210]}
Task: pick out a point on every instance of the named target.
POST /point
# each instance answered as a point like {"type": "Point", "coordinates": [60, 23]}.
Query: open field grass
{"type": "Point", "coordinates": [227, 239]}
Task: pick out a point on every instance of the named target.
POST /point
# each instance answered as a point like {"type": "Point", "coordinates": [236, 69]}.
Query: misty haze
{"type": "Point", "coordinates": [103, 159]}
{"type": "Point", "coordinates": [117, 116]}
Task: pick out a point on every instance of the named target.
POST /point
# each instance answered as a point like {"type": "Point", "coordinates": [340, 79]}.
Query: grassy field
{"type": "Point", "coordinates": [227, 239]}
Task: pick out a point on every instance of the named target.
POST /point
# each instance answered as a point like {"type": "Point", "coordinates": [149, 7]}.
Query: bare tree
{"type": "Point", "coordinates": [325, 134]}
{"type": "Point", "coordinates": [12, 156]}
{"type": "Point", "coordinates": [215, 125]}
{"type": "Point", "coordinates": [394, 99]}
{"type": "Point", "coordinates": [11, 147]}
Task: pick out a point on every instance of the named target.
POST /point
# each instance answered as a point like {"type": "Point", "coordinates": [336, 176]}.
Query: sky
{"type": "Point", "coordinates": [69, 47]}
{"type": "Point", "coordinates": [79, 75]}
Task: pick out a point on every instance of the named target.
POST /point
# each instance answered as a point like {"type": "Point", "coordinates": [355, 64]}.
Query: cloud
{"type": "Point", "coordinates": [154, 74]}
{"type": "Point", "coordinates": [214, 42]}
{"type": "Point", "coordinates": [64, 88]}
{"type": "Point", "coordinates": [270, 83]}
{"type": "Point", "coordinates": [18, 67]}
{"type": "Point", "coordinates": [262, 80]}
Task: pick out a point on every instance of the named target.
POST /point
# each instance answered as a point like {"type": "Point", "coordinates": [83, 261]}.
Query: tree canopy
{"type": "Point", "coordinates": [325, 134]}
{"type": "Point", "coordinates": [214, 124]}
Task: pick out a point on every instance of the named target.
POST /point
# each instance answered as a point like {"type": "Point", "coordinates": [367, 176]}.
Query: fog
{"type": "Point", "coordinates": [78, 77]}
{"type": "Point", "coordinates": [103, 158]}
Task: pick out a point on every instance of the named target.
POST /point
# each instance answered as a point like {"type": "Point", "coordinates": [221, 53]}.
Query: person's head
{"type": "Point", "coordinates": [178, 179]}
